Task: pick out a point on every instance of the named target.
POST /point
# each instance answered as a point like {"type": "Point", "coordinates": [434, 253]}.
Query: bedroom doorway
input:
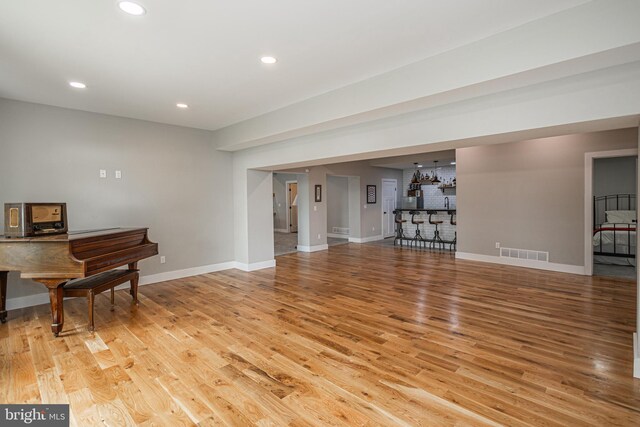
{"type": "Point", "coordinates": [613, 219]}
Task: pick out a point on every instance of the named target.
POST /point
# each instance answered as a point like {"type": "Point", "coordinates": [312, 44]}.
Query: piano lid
{"type": "Point", "coordinates": [77, 254]}
{"type": "Point", "coordinates": [70, 236]}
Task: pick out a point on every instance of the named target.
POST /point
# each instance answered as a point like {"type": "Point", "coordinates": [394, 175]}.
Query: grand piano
{"type": "Point", "coordinates": [54, 260]}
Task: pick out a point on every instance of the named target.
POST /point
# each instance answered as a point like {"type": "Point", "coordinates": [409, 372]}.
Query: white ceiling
{"type": "Point", "coordinates": [206, 53]}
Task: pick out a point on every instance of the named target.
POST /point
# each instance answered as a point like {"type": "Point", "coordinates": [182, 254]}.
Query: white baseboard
{"type": "Point", "coordinates": [255, 266]}
{"type": "Point", "coordinates": [187, 272]}
{"type": "Point", "coordinates": [636, 356]}
{"type": "Point", "coordinates": [43, 298]}
{"type": "Point", "coordinates": [527, 263]}
{"type": "Point", "coordinates": [316, 248]}
{"type": "Point", "coordinates": [280, 230]}
{"type": "Point", "coordinates": [365, 239]}
{"type": "Point", "coordinates": [338, 236]}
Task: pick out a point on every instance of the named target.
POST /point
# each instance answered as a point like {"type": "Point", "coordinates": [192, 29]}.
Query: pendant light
{"type": "Point", "coordinates": [434, 179]}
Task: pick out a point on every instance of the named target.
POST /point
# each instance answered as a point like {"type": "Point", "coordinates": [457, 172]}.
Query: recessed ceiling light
{"type": "Point", "coordinates": [78, 85]}
{"type": "Point", "coordinates": [268, 60]}
{"type": "Point", "coordinates": [131, 8]}
{"type": "Point", "coordinates": [181, 105]}
{"type": "Point", "coordinates": [453, 163]}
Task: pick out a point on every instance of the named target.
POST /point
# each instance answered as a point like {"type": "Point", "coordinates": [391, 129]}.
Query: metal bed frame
{"type": "Point", "coordinates": [601, 204]}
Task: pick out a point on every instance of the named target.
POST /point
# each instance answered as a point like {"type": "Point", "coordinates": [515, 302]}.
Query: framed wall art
{"type": "Point", "coordinates": [371, 194]}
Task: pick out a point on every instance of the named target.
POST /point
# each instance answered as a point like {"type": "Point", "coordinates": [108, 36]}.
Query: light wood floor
{"type": "Point", "coordinates": [358, 335]}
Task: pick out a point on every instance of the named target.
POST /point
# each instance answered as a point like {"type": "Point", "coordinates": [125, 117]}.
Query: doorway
{"type": "Point", "coordinates": [285, 213]}
{"type": "Point", "coordinates": [292, 206]}
{"type": "Point", "coordinates": [389, 201]}
{"type": "Point", "coordinates": [610, 213]}
{"type": "Point", "coordinates": [614, 195]}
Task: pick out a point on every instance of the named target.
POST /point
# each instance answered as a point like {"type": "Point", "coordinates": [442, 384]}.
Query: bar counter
{"type": "Point", "coordinates": [425, 209]}
{"type": "Point", "coordinates": [447, 230]}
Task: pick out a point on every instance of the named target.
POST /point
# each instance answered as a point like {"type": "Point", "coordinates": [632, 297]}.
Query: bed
{"type": "Point", "coordinates": [614, 229]}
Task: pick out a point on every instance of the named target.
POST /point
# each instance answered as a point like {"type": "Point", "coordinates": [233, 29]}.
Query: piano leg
{"type": "Point", "coordinates": [3, 296]}
{"type": "Point", "coordinates": [134, 284]}
{"type": "Point", "coordinates": [55, 299]}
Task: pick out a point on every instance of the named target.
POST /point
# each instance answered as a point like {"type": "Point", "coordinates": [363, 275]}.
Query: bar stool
{"type": "Point", "coordinates": [453, 243]}
{"type": "Point", "coordinates": [418, 237]}
{"type": "Point", "coordinates": [436, 234]}
{"type": "Point", "coordinates": [399, 230]}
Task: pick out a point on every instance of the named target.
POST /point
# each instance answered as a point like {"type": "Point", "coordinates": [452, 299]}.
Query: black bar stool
{"type": "Point", "coordinates": [399, 230]}
{"type": "Point", "coordinates": [436, 234]}
{"type": "Point", "coordinates": [453, 243]}
{"type": "Point", "coordinates": [417, 239]}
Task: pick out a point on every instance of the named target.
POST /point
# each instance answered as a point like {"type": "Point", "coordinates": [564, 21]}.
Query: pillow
{"type": "Point", "coordinates": [624, 217]}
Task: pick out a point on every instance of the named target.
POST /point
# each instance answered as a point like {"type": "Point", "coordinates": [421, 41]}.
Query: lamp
{"type": "Point", "coordinates": [434, 179]}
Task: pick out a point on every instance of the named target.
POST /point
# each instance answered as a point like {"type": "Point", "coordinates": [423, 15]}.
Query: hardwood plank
{"type": "Point", "coordinates": [357, 335]}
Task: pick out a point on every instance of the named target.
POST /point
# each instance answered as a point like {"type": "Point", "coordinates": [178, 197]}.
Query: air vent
{"type": "Point", "coordinates": [524, 254]}
{"type": "Point", "coordinates": [340, 230]}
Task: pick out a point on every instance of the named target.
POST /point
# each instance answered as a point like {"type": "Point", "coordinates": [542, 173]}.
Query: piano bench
{"type": "Point", "coordinates": [91, 286]}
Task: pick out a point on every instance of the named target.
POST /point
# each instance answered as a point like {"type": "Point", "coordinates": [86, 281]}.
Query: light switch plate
{"type": "Point", "coordinates": [118, 174]}
{"type": "Point", "coordinates": [103, 173]}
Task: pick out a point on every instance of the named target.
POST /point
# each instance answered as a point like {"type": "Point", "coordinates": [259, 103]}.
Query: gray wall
{"type": "Point", "coordinates": [337, 202]}
{"type": "Point", "coordinates": [370, 214]}
{"type": "Point", "coordinates": [365, 220]}
{"type": "Point", "coordinates": [173, 180]}
{"type": "Point", "coordinates": [260, 196]}
{"type": "Point", "coordinates": [312, 215]}
{"type": "Point", "coordinates": [305, 220]}
{"type": "Point", "coordinates": [616, 175]}
{"type": "Point", "coordinates": [529, 194]}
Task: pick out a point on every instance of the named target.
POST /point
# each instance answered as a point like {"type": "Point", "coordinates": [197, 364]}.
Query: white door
{"type": "Point", "coordinates": [389, 207]}
{"type": "Point", "coordinates": [389, 195]}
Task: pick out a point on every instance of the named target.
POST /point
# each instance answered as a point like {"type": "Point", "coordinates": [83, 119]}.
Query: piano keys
{"type": "Point", "coordinates": [54, 260]}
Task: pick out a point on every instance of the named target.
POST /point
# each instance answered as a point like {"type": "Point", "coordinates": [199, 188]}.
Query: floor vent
{"type": "Point", "coordinates": [341, 230]}
{"type": "Point", "coordinates": [524, 254]}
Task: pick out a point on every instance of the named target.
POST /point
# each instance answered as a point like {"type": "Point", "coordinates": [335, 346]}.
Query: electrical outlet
{"type": "Point", "coordinates": [118, 174]}
{"type": "Point", "coordinates": [103, 173]}
{"type": "Point", "coordinates": [163, 259]}
{"type": "Point", "coordinates": [497, 245]}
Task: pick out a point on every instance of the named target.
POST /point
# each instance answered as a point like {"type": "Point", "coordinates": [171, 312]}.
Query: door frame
{"type": "Point", "coordinates": [286, 192]}
{"type": "Point", "coordinates": [395, 183]}
{"type": "Point", "coordinates": [589, 159]}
